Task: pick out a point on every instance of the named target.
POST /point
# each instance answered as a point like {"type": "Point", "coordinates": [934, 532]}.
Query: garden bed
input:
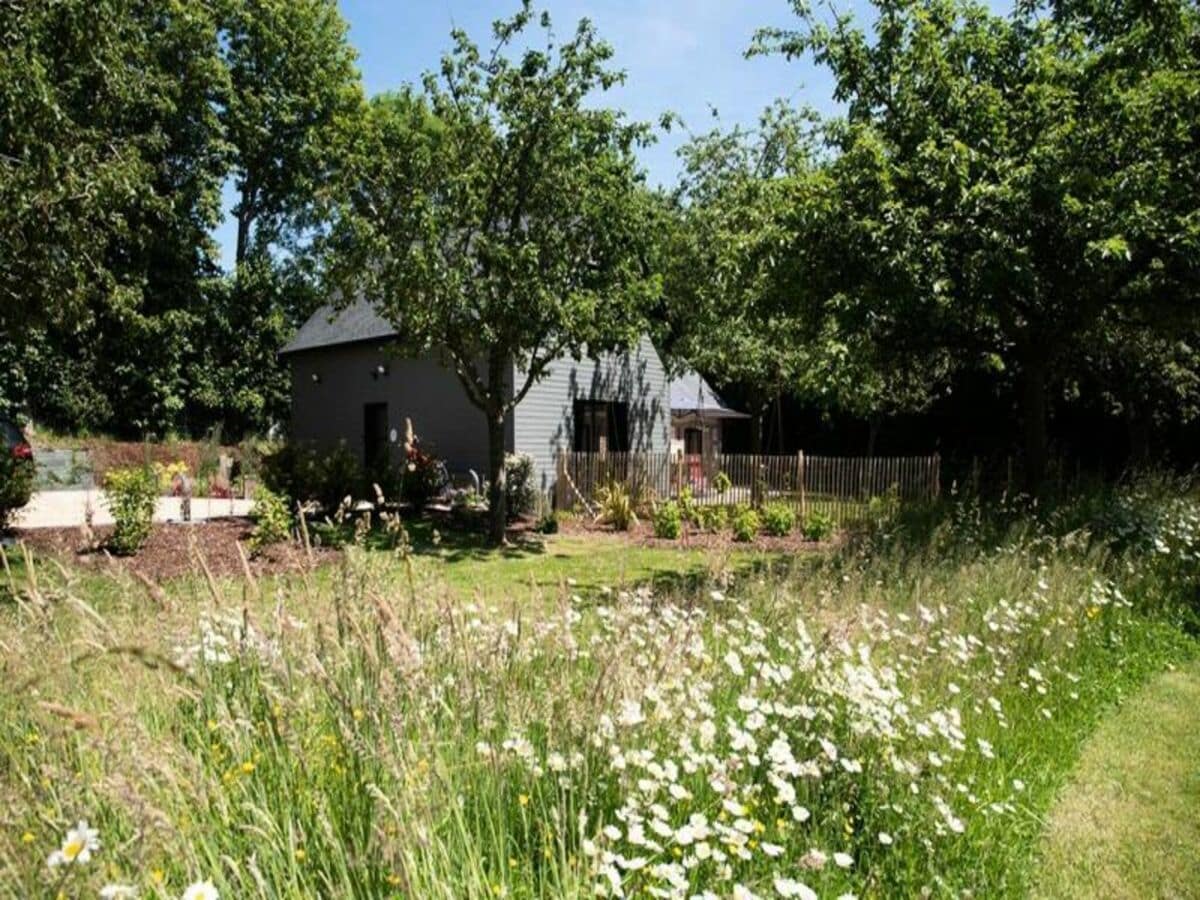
{"type": "Point", "coordinates": [171, 550]}
{"type": "Point", "coordinates": [693, 538]}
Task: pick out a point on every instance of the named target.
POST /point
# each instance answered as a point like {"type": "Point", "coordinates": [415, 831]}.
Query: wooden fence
{"type": "Point", "coordinates": [845, 488]}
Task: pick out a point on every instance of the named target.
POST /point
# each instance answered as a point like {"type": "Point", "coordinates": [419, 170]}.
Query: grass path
{"type": "Point", "coordinates": [1128, 822]}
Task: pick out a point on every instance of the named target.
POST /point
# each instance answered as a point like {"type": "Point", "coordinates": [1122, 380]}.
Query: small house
{"type": "Point", "coordinates": [698, 416]}
{"type": "Point", "coordinates": [353, 381]}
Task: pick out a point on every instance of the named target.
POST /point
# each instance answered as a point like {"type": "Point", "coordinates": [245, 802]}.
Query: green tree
{"type": "Point", "coordinates": [124, 119]}
{"type": "Point", "coordinates": [498, 215]}
{"type": "Point", "coordinates": [721, 259]}
{"type": "Point", "coordinates": [755, 279]}
{"type": "Point", "coordinates": [103, 154]}
{"type": "Point", "coordinates": [294, 90]}
{"type": "Point", "coordinates": [1014, 179]}
{"type": "Point", "coordinates": [294, 97]}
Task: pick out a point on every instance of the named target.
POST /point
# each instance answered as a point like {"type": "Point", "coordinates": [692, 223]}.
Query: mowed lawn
{"type": "Point", "coordinates": [1127, 825]}
{"type": "Point", "coordinates": [575, 563]}
{"type": "Point", "coordinates": [538, 568]}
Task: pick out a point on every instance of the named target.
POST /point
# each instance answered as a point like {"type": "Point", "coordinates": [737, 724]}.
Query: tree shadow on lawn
{"type": "Point", "coordinates": [455, 543]}
{"type": "Point", "coordinates": [570, 564]}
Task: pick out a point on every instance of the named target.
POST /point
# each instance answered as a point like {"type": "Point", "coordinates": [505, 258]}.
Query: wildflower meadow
{"type": "Point", "coordinates": [891, 719]}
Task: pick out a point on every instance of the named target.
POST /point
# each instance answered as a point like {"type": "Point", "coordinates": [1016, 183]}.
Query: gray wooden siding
{"type": "Point", "coordinates": [421, 389]}
{"type": "Point", "coordinates": [330, 410]}
{"type": "Point", "coordinates": [543, 422]}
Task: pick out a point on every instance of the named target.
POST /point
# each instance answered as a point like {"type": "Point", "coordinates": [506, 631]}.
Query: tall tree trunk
{"type": "Point", "coordinates": [1034, 413]}
{"type": "Point", "coordinates": [758, 413]}
{"type": "Point", "coordinates": [243, 238]}
{"type": "Point", "coordinates": [496, 410]}
{"type": "Point", "coordinates": [756, 431]}
{"type": "Point", "coordinates": [497, 489]}
{"type": "Point", "coordinates": [873, 423]}
{"type": "Point", "coordinates": [1139, 438]}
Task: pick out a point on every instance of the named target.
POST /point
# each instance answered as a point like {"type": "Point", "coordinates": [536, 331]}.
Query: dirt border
{"type": "Point", "coordinates": [175, 549]}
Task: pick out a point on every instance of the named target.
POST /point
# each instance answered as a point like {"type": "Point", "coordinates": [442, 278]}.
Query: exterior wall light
{"type": "Point", "coordinates": [316, 378]}
{"type": "Point", "coordinates": [379, 371]}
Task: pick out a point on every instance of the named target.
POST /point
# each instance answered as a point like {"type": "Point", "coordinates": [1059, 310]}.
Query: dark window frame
{"type": "Point", "coordinates": [587, 416]}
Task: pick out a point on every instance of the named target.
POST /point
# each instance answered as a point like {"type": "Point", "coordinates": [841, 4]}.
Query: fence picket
{"type": "Point", "coordinates": [841, 487]}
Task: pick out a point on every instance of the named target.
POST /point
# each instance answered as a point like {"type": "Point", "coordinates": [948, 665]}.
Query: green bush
{"type": "Point", "coordinates": [425, 476]}
{"type": "Point", "coordinates": [688, 506]}
{"type": "Point", "coordinates": [519, 490]}
{"type": "Point", "coordinates": [547, 524]}
{"type": "Point", "coordinates": [818, 526]}
{"type": "Point", "coordinates": [721, 483]}
{"type": "Point", "coordinates": [274, 520]}
{"type": "Point", "coordinates": [778, 519]}
{"type": "Point", "coordinates": [304, 474]}
{"type": "Point", "coordinates": [712, 517]}
{"type": "Point", "coordinates": [745, 524]}
{"type": "Point", "coordinates": [131, 495]}
{"type": "Point", "coordinates": [16, 486]}
{"type": "Point", "coordinates": [668, 521]}
{"type": "Point", "coordinates": [616, 507]}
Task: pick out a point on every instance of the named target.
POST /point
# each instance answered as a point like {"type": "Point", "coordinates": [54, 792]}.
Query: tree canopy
{"type": "Point", "coordinates": [497, 216]}
{"type": "Point", "coordinates": [756, 280]}
{"type": "Point", "coordinates": [121, 123]}
{"type": "Point", "coordinates": [1024, 177]}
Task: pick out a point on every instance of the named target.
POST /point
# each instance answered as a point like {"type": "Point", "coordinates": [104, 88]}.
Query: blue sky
{"type": "Point", "coordinates": [683, 56]}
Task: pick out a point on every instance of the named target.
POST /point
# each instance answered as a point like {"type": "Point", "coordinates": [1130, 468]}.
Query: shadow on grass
{"type": "Point", "coordinates": [448, 539]}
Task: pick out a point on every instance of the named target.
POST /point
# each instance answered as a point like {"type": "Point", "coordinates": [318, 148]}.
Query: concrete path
{"type": "Point", "coordinates": [68, 509]}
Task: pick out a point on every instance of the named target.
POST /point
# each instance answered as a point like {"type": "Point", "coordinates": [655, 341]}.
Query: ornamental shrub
{"type": "Point", "coordinates": [304, 474]}
{"type": "Point", "coordinates": [131, 495]}
{"type": "Point", "coordinates": [547, 524]}
{"type": "Point", "coordinates": [778, 519]}
{"type": "Point", "coordinates": [818, 526]}
{"type": "Point", "coordinates": [425, 476]}
{"type": "Point", "coordinates": [616, 507]}
{"type": "Point", "coordinates": [273, 523]}
{"type": "Point", "coordinates": [745, 524]}
{"type": "Point", "coordinates": [721, 483]}
{"type": "Point", "coordinates": [520, 491]}
{"type": "Point", "coordinates": [688, 507]}
{"type": "Point", "coordinates": [16, 486]}
{"type": "Point", "coordinates": [668, 521]}
{"type": "Point", "coordinates": [710, 517]}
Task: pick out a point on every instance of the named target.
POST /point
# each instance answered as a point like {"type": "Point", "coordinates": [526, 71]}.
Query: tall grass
{"type": "Point", "coordinates": [890, 722]}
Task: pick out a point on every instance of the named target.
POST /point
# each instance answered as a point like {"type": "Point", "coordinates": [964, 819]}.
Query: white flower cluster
{"type": "Point", "coordinates": [752, 760]}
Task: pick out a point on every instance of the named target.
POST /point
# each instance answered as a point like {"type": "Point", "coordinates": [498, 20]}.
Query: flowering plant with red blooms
{"type": "Point", "coordinates": [424, 475]}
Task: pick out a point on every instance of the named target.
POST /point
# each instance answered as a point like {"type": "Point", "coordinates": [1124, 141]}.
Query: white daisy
{"type": "Point", "coordinates": [201, 890]}
{"type": "Point", "coordinates": [789, 887]}
{"type": "Point", "coordinates": [78, 846]}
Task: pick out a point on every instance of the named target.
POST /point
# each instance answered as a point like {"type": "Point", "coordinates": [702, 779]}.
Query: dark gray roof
{"type": "Point", "coordinates": [691, 393]}
{"type": "Point", "coordinates": [326, 327]}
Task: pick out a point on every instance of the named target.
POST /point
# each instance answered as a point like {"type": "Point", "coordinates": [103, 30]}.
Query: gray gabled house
{"type": "Point", "coordinates": [353, 382]}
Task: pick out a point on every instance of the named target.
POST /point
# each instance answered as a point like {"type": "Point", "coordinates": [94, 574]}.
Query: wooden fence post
{"type": "Point", "coordinates": [800, 481]}
{"type": "Point", "coordinates": [937, 475]}
{"type": "Point", "coordinates": [560, 481]}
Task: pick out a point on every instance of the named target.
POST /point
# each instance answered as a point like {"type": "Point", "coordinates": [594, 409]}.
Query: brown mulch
{"type": "Point", "coordinates": [172, 549]}
{"type": "Point", "coordinates": [642, 534]}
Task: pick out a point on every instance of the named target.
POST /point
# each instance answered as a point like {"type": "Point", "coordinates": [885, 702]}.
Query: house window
{"type": "Point", "coordinates": [693, 441]}
{"type": "Point", "coordinates": [601, 426]}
